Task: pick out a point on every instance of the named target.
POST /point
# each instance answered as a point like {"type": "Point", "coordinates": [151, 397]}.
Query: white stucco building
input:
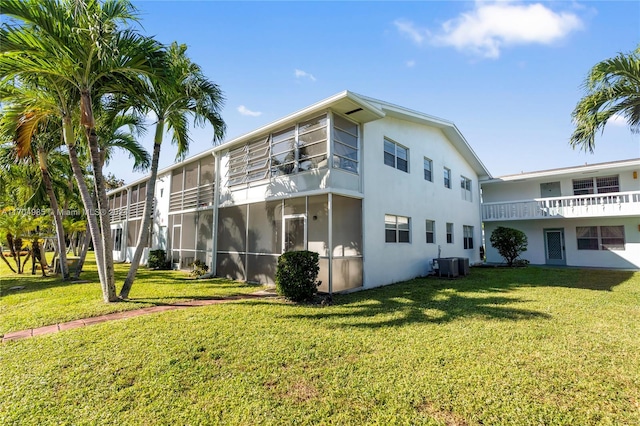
{"type": "Point", "coordinates": [377, 190]}
{"type": "Point", "coordinates": [577, 216]}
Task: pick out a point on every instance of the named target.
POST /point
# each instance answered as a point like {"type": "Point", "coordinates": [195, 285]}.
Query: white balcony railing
{"type": "Point", "coordinates": [577, 206]}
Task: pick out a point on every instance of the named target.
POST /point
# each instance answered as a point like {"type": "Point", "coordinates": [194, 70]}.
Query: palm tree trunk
{"type": "Point", "coordinates": [103, 211]}
{"type": "Point", "coordinates": [17, 248]}
{"type": "Point", "coordinates": [87, 120]}
{"type": "Point", "coordinates": [146, 213]}
{"type": "Point", "coordinates": [12, 250]}
{"type": "Point", "coordinates": [83, 252]}
{"type": "Point", "coordinates": [5, 260]}
{"type": "Point", "coordinates": [46, 178]}
{"type": "Point", "coordinates": [98, 248]}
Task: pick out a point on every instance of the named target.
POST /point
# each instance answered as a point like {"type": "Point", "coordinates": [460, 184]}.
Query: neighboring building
{"type": "Point", "coordinates": [377, 190]}
{"type": "Point", "coordinates": [578, 216]}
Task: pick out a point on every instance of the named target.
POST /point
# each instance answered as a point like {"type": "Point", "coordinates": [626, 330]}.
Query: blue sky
{"type": "Point", "coordinates": [507, 73]}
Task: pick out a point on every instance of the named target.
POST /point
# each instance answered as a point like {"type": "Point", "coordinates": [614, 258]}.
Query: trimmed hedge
{"type": "Point", "coordinates": [296, 275]}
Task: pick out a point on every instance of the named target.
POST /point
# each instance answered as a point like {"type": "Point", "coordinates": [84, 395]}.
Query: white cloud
{"type": "Point", "coordinates": [246, 111]}
{"type": "Point", "coordinates": [618, 120]}
{"type": "Point", "coordinates": [303, 74]}
{"type": "Point", "coordinates": [410, 64]}
{"type": "Point", "coordinates": [491, 26]}
{"type": "Point", "coordinates": [408, 28]}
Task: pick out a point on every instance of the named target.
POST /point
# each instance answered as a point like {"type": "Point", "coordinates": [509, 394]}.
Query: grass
{"type": "Point", "coordinates": [46, 301]}
{"type": "Point", "coordinates": [501, 347]}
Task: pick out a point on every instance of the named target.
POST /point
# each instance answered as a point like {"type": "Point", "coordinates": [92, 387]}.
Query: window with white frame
{"type": "Point", "coordinates": [447, 178]}
{"type": "Point", "coordinates": [449, 233]}
{"type": "Point", "coordinates": [428, 169]}
{"type": "Point", "coordinates": [431, 231]}
{"type": "Point", "coordinates": [397, 229]}
{"type": "Point", "coordinates": [465, 185]}
{"type": "Point", "coordinates": [600, 237]}
{"type": "Point", "coordinates": [396, 155]}
{"type": "Point", "coordinates": [598, 185]}
{"type": "Point", "coordinates": [467, 233]}
{"type": "Point", "coordinates": [345, 144]}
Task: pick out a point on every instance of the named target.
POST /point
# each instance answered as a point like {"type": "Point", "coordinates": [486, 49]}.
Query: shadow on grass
{"type": "Point", "coordinates": [33, 283]}
{"type": "Point", "coordinates": [418, 301]}
{"type": "Point", "coordinates": [485, 293]}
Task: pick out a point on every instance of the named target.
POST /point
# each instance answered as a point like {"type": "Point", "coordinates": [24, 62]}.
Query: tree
{"type": "Point", "coordinates": [613, 89]}
{"type": "Point", "coordinates": [509, 242]}
{"type": "Point", "coordinates": [35, 137]}
{"type": "Point", "coordinates": [81, 49]}
{"type": "Point", "coordinates": [112, 182]}
{"type": "Point", "coordinates": [184, 92]}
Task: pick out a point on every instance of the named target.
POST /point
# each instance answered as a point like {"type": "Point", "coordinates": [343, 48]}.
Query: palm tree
{"type": "Point", "coordinates": [184, 92]}
{"type": "Point", "coordinates": [16, 226]}
{"type": "Point", "coordinates": [31, 129]}
{"type": "Point", "coordinates": [79, 49]}
{"type": "Point", "coordinates": [613, 89]}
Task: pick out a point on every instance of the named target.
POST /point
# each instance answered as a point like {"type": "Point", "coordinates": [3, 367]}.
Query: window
{"type": "Point", "coordinates": [607, 184]}
{"type": "Point", "coordinates": [298, 148]}
{"type": "Point", "coordinates": [447, 178]}
{"type": "Point", "coordinates": [600, 237]}
{"type": "Point", "coordinates": [449, 233]}
{"type": "Point", "coordinates": [345, 144]}
{"type": "Point", "coordinates": [428, 169]}
{"type": "Point", "coordinates": [599, 185]}
{"type": "Point", "coordinates": [431, 231]}
{"type": "Point", "coordinates": [397, 229]}
{"type": "Point", "coordinates": [465, 185]}
{"type": "Point", "coordinates": [467, 232]}
{"type": "Point", "coordinates": [396, 156]}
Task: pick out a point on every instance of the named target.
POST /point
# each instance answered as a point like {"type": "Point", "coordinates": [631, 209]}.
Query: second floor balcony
{"type": "Point", "coordinates": [577, 206]}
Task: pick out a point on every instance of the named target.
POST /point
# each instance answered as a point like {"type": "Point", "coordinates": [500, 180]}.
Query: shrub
{"type": "Point", "coordinates": [296, 275]}
{"type": "Point", "coordinates": [158, 260]}
{"type": "Point", "coordinates": [509, 242]}
{"type": "Point", "coordinates": [199, 268]}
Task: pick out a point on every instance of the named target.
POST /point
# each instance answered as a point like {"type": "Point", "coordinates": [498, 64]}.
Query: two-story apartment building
{"type": "Point", "coordinates": [579, 216]}
{"type": "Point", "coordinates": [376, 189]}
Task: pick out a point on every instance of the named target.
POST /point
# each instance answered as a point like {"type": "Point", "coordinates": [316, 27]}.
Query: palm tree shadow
{"type": "Point", "coordinates": [487, 294]}
{"type": "Point", "coordinates": [419, 303]}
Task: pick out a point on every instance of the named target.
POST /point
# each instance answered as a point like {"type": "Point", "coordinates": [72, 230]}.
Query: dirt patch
{"type": "Point", "coordinates": [447, 417]}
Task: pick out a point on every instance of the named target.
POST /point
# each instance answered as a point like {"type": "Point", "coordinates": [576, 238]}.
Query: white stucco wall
{"type": "Point", "coordinates": [627, 258]}
{"type": "Point", "coordinates": [390, 191]}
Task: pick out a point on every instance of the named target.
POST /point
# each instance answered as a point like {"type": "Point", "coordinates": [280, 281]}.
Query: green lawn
{"type": "Point", "coordinates": [534, 346]}
{"type": "Point", "coordinates": [46, 301]}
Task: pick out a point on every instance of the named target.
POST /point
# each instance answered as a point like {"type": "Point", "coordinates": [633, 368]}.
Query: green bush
{"type": "Point", "coordinates": [509, 242]}
{"type": "Point", "coordinates": [199, 268]}
{"type": "Point", "coordinates": [296, 275]}
{"type": "Point", "coordinates": [158, 260]}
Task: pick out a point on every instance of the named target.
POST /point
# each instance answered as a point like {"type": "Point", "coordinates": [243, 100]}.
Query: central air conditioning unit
{"type": "Point", "coordinates": [448, 267]}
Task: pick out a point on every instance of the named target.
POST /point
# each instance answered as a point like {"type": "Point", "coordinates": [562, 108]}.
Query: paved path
{"type": "Point", "coordinates": [32, 332]}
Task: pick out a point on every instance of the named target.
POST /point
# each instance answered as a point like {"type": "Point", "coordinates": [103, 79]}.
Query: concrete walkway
{"type": "Point", "coordinates": [32, 332]}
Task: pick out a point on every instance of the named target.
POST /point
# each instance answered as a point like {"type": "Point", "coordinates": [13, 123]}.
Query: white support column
{"type": "Point", "coordinates": [330, 208]}
{"type": "Point", "coordinates": [216, 203]}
